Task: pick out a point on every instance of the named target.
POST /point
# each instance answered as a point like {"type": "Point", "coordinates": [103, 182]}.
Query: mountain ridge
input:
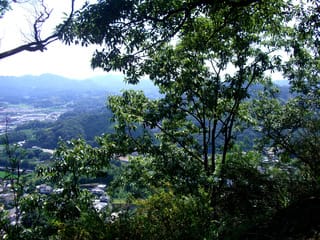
{"type": "Point", "coordinates": [53, 84]}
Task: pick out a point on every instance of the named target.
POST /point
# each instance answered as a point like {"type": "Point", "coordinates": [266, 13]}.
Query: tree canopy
{"type": "Point", "coordinates": [203, 55]}
{"type": "Point", "coordinates": [130, 31]}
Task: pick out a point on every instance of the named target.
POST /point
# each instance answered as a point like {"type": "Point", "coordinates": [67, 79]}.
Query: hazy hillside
{"type": "Point", "coordinates": [49, 85]}
{"type": "Point", "coordinates": [54, 85]}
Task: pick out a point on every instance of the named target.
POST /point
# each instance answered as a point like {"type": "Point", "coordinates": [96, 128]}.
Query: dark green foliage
{"type": "Point", "coordinates": [17, 136]}
{"type": "Point", "coordinates": [300, 220]}
{"type": "Point", "coordinates": [68, 214]}
{"type": "Point", "coordinates": [29, 158]}
{"type": "Point", "coordinates": [166, 216]}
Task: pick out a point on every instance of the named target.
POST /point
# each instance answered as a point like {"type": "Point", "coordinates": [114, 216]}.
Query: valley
{"type": "Point", "coordinates": [13, 115]}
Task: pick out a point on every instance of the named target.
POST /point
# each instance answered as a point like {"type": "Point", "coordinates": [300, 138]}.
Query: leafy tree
{"type": "Point", "coordinates": [293, 127]}
{"type": "Point", "coordinates": [203, 101]}
{"type": "Point", "coordinates": [16, 180]}
{"type": "Point", "coordinates": [73, 162]}
{"type": "Point", "coordinates": [68, 214]}
{"type": "Point", "coordinates": [164, 215]}
{"type": "Point", "coordinates": [203, 56]}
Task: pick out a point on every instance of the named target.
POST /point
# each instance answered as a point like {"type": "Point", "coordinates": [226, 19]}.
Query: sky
{"type": "Point", "coordinates": [68, 61]}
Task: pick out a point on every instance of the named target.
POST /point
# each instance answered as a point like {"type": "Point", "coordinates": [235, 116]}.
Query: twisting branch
{"type": "Point", "coordinates": [42, 17]}
{"type": "Point", "coordinates": [39, 44]}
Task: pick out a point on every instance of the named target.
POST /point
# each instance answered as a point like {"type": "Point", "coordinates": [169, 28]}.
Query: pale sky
{"type": "Point", "coordinates": [68, 61]}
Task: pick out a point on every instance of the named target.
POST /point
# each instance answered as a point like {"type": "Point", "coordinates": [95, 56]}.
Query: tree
{"type": "Point", "coordinates": [16, 180]}
{"type": "Point", "coordinates": [38, 42]}
{"type": "Point", "coordinates": [68, 214]}
{"type": "Point", "coordinates": [204, 56]}
{"type": "Point", "coordinates": [203, 100]}
{"type": "Point", "coordinates": [164, 216]}
{"type": "Point", "coordinates": [293, 127]}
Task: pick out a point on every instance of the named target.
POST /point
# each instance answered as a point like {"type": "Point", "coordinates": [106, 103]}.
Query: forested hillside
{"type": "Point", "coordinates": [218, 154]}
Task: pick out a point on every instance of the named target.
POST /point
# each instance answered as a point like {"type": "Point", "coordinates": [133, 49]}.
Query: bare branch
{"type": "Point", "coordinates": [41, 18]}
{"type": "Point", "coordinates": [39, 44]}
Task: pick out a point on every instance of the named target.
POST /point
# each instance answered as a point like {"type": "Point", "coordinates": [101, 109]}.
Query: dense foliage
{"type": "Point", "coordinates": [188, 175]}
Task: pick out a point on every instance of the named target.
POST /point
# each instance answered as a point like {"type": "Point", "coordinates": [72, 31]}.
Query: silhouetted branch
{"type": "Point", "coordinates": [39, 44]}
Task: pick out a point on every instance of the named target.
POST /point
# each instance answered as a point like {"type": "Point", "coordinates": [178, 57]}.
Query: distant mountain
{"type": "Point", "coordinates": [52, 85]}
{"type": "Point", "coordinates": [47, 85]}
{"type": "Point", "coordinates": [31, 84]}
{"type": "Point", "coordinates": [281, 82]}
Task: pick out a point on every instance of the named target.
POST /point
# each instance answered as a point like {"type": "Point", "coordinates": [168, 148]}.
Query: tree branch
{"type": "Point", "coordinates": [39, 44]}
